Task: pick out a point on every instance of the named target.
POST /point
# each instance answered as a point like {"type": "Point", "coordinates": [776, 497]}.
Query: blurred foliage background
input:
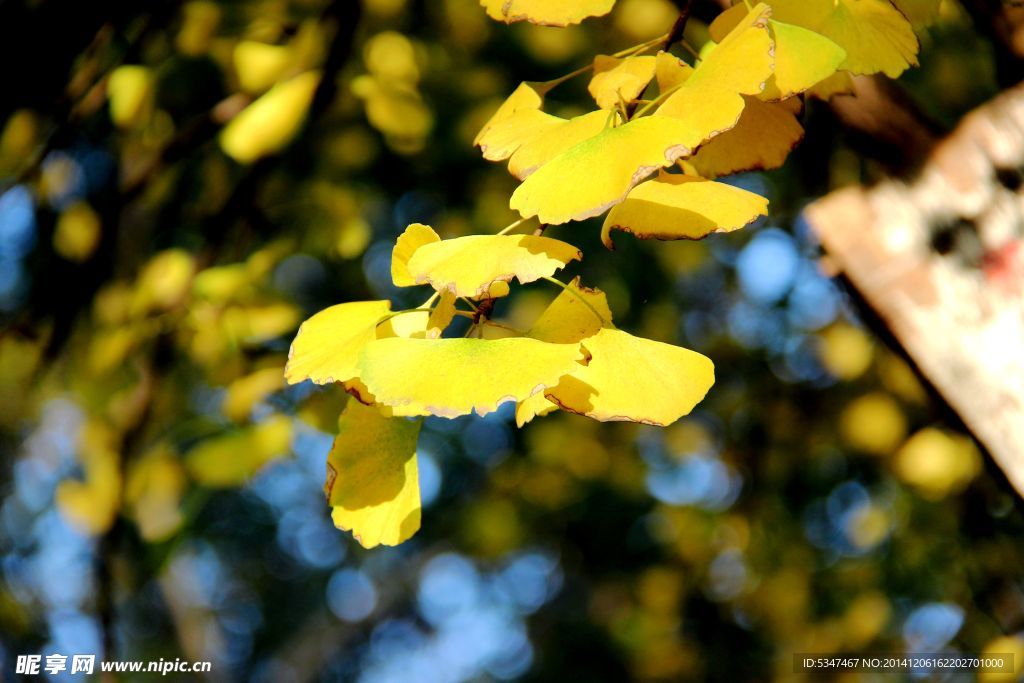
{"type": "Point", "coordinates": [161, 487]}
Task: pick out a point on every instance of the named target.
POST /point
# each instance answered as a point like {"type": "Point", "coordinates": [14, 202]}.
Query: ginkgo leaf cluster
{"type": "Point", "coordinates": [650, 153]}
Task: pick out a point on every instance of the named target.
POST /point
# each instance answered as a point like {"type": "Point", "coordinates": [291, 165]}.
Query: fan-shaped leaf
{"type": "Point", "coordinates": [634, 379]}
{"type": "Point", "coordinates": [372, 476]}
{"type": "Point", "coordinates": [469, 266]}
{"type": "Point", "coordinates": [675, 206]}
{"type": "Point", "coordinates": [326, 348]}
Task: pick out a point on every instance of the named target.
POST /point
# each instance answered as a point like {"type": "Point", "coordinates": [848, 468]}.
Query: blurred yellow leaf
{"type": "Point", "coordinates": [546, 12]}
{"type": "Point", "coordinates": [91, 505]}
{"type": "Point", "coordinates": [620, 80]}
{"type": "Point", "coordinates": [327, 346]}
{"type": "Point", "coordinates": [469, 266]}
{"type": "Point", "coordinates": [131, 89]}
{"type": "Point", "coordinates": [154, 487]}
{"type": "Point", "coordinates": [260, 65]}
{"type": "Point", "coordinates": [453, 377]}
{"type": "Point", "coordinates": [675, 206]}
{"type": "Point", "coordinates": [198, 26]}
{"type": "Point", "coordinates": [245, 392]}
{"type": "Point", "coordinates": [1004, 645]}
{"type": "Point", "coordinates": [389, 55]}
{"type": "Point", "coordinates": [233, 458]}
{"type": "Point", "coordinates": [874, 423]}
{"type": "Point", "coordinates": [634, 379]}
{"type": "Point", "coordinates": [372, 477]}
{"type": "Point", "coordinates": [846, 351]}
{"type": "Point", "coordinates": [267, 125]}
{"type": "Point", "coordinates": [937, 463]}
{"type": "Point", "coordinates": [164, 281]}
{"type": "Point", "coordinates": [77, 232]}
{"type": "Point", "coordinates": [396, 109]}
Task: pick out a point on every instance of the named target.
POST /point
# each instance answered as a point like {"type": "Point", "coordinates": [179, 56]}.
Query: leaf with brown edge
{"type": "Point", "coordinates": [470, 266]}
{"type": "Point", "coordinates": [762, 140]}
{"type": "Point", "coordinates": [372, 480]}
{"type": "Point", "coordinates": [635, 379]}
{"type": "Point", "coordinates": [546, 12]}
{"type": "Point", "coordinates": [675, 206]}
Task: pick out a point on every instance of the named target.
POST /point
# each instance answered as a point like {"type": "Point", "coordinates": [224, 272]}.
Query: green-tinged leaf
{"type": "Point", "coordinates": [372, 477]}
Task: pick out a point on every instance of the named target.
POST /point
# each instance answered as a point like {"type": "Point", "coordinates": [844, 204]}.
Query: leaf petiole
{"type": "Point", "coordinates": [509, 228]}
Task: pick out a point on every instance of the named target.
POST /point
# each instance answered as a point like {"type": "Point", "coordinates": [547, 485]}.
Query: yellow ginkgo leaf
{"type": "Point", "coordinates": [552, 140]}
{"type": "Point", "coordinates": [507, 136]}
{"type": "Point", "coordinates": [537, 405]}
{"type": "Point", "coordinates": [525, 97]}
{"type": "Point", "coordinates": [546, 12]}
{"type": "Point", "coordinates": [670, 71]}
{"type": "Point", "coordinates": [270, 123]}
{"type": "Point", "coordinates": [876, 36]}
{"type": "Point", "coordinates": [372, 477]}
{"type": "Point", "coordinates": [620, 79]}
{"type": "Point", "coordinates": [326, 348]}
{"type": "Point", "coordinates": [442, 315]}
{"type": "Point", "coordinates": [676, 206]}
{"type": "Point", "coordinates": [803, 58]}
{"type": "Point", "coordinates": [634, 379]}
{"type": "Point", "coordinates": [231, 459]}
{"type": "Point", "coordinates": [131, 89]}
{"type": "Point", "coordinates": [600, 170]}
{"type": "Point", "coordinates": [575, 314]}
{"type": "Point", "coordinates": [469, 266]}
{"type": "Point", "coordinates": [260, 65]}
{"type": "Point", "coordinates": [153, 490]}
{"type": "Point", "coordinates": [91, 505]}
{"type": "Point", "coordinates": [245, 392]}
{"type": "Point", "coordinates": [762, 140]}
{"type": "Point", "coordinates": [414, 237]}
{"type": "Point", "coordinates": [710, 101]}
{"type": "Point", "coordinates": [453, 377]}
